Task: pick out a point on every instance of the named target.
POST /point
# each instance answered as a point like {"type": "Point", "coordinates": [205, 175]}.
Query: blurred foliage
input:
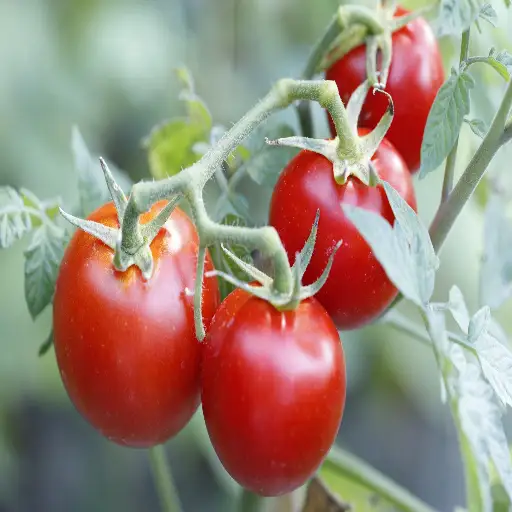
{"type": "Point", "coordinates": [107, 66]}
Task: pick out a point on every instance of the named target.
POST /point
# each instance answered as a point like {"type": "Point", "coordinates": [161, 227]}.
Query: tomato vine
{"type": "Point", "coordinates": [401, 254]}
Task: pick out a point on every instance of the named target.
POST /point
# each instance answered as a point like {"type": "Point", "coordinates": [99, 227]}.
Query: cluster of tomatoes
{"type": "Point", "coordinates": [271, 383]}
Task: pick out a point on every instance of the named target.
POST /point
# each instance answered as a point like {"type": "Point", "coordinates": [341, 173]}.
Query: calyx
{"type": "Point", "coordinates": [131, 246]}
{"type": "Point", "coordinates": [266, 291]}
{"type": "Point", "coordinates": [350, 153]}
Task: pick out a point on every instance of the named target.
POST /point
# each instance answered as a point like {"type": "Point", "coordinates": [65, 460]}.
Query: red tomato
{"type": "Point", "coordinates": [357, 290]}
{"type": "Point", "coordinates": [126, 347]}
{"type": "Point", "coordinates": [273, 391]}
{"type": "Point", "coordinates": [415, 76]}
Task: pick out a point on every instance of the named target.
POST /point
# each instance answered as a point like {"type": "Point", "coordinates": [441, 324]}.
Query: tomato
{"type": "Point", "coordinates": [357, 289]}
{"type": "Point", "coordinates": [126, 347]}
{"type": "Point", "coordinates": [273, 391]}
{"type": "Point", "coordinates": [415, 75]}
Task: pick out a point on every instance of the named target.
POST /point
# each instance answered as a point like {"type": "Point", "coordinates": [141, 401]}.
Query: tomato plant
{"type": "Point", "coordinates": [126, 347]}
{"type": "Point", "coordinates": [273, 390]}
{"type": "Point", "coordinates": [132, 302]}
{"type": "Point", "coordinates": [358, 289]}
{"type": "Point", "coordinates": [415, 75]}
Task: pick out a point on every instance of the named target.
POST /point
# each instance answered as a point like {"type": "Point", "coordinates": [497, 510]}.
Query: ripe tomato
{"type": "Point", "coordinates": [357, 289]}
{"type": "Point", "coordinates": [126, 347]}
{"type": "Point", "coordinates": [415, 75]}
{"type": "Point", "coordinates": [273, 391]}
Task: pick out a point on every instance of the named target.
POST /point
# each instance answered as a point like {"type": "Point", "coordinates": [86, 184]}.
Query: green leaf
{"type": "Point", "coordinates": [444, 120]}
{"type": "Point", "coordinates": [496, 270]}
{"type": "Point", "coordinates": [478, 127]}
{"type": "Point", "coordinates": [171, 147]}
{"type": "Point", "coordinates": [42, 261]}
{"type": "Point", "coordinates": [456, 16]}
{"type": "Point", "coordinates": [15, 220]}
{"type": "Point", "coordinates": [457, 307]}
{"type": "Point", "coordinates": [267, 162]}
{"type": "Point", "coordinates": [404, 251]}
{"type": "Point", "coordinates": [488, 14]}
{"type": "Point", "coordinates": [180, 142]}
{"type": "Point", "coordinates": [46, 345]}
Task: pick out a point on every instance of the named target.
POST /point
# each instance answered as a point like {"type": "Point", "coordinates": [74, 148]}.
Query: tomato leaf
{"type": "Point", "coordinates": [404, 250]}
{"type": "Point", "coordinates": [467, 391]}
{"type": "Point", "coordinates": [178, 143]}
{"type": "Point", "coordinates": [42, 261]}
{"type": "Point", "coordinates": [456, 16]}
{"type": "Point", "coordinates": [46, 345]}
{"type": "Point", "coordinates": [488, 14]}
{"type": "Point", "coordinates": [478, 127]}
{"type": "Point", "coordinates": [15, 220]}
{"type": "Point", "coordinates": [444, 120]}
{"type": "Point", "coordinates": [496, 270]}
{"type": "Point", "coordinates": [458, 309]}
{"type": "Point", "coordinates": [266, 162]}
{"type": "Point", "coordinates": [171, 147]}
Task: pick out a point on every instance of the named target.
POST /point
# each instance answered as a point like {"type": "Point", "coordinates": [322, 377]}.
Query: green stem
{"type": "Point", "coordinates": [363, 474]}
{"type": "Point", "coordinates": [471, 480]}
{"type": "Point", "coordinates": [450, 209]}
{"type": "Point", "coordinates": [191, 181]}
{"type": "Point", "coordinates": [163, 480]}
{"type": "Point", "coordinates": [249, 502]}
{"type": "Point", "coordinates": [449, 170]}
{"type": "Point", "coordinates": [198, 294]}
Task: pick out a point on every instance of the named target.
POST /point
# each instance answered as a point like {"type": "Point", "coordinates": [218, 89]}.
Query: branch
{"type": "Point", "coordinates": [449, 210]}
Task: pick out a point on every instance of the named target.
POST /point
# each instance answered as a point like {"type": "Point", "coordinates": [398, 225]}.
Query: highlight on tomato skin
{"type": "Point", "coordinates": [273, 391]}
{"type": "Point", "coordinates": [357, 290]}
{"type": "Point", "coordinates": [415, 76]}
{"type": "Point", "coordinates": [126, 348]}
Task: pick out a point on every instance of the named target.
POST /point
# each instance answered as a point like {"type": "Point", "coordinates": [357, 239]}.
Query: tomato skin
{"type": "Point", "coordinates": [357, 290]}
{"type": "Point", "coordinates": [126, 347]}
{"type": "Point", "coordinates": [415, 76]}
{"type": "Point", "coordinates": [273, 391]}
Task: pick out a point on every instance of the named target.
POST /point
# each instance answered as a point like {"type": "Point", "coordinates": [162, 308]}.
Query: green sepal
{"type": "Point", "coordinates": [104, 233]}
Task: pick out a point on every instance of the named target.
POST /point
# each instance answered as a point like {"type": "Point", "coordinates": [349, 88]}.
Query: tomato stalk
{"type": "Point", "coordinates": [249, 502]}
{"type": "Point", "coordinates": [163, 480]}
{"type": "Point", "coordinates": [498, 134]}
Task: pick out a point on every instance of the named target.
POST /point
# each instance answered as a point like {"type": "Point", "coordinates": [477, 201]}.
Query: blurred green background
{"type": "Point", "coordinates": [107, 66]}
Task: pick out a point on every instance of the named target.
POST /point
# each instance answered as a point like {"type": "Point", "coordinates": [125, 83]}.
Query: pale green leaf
{"type": "Point", "coordinates": [266, 162]}
{"type": "Point", "coordinates": [478, 127]}
{"type": "Point", "coordinates": [451, 105]}
{"type": "Point", "coordinates": [456, 16]}
{"type": "Point", "coordinates": [404, 251]}
{"type": "Point", "coordinates": [488, 14]}
{"type": "Point", "coordinates": [15, 220]}
{"type": "Point", "coordinates": [171, 147]}
{"type": "Point", "coordinates": [42, 261]}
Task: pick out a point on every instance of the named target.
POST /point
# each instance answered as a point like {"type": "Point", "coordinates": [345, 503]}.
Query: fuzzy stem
{"type": "Point", "coordinates": [450, 209]}
{"type": "Point", "coordinates": [198, 294]}
{"type": "Point", "coordinates": [163, 480]}
{"type": "Point", "coordinates": [191, 181]}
